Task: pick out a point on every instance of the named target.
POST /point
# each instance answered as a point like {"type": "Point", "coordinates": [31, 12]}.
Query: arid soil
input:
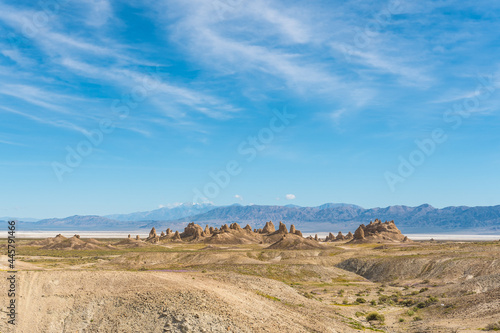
{"type": "Point", "coordinates": [180, 286]}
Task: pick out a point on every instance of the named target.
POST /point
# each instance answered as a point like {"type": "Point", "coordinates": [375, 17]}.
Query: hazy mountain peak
{"type": "Point", "coordinates": [338, 205]}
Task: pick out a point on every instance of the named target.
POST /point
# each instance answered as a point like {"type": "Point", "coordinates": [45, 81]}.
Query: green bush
{"type": "Point", "coordinates": [401, 320]}
{"type": "Point", "coordinates": [360, 300]}
{"type": "Point", "coordinates": [383, 299]}
{"type": "Point", "coordinates": [408, 302]}
{"type": "Point", "coordinates": [372, 316]}
{"type": "Point", "coordinates": [417, 318]}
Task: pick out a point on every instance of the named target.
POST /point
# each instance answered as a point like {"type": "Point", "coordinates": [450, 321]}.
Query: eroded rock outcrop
{"type": "Point", "coordinates": [177, 236]}
{"type": "Point", "coordinates": [153, 237]}
{"type": "Point", "coordinates": [359, 234]}
{"type": "Point", "coordinates": [330, 237]}
{"type": "Point", "coordinates": [268, 228]}
{"type": "Point", "coordinates": [192, 232]}
{"type": "Point", "coordinates": [378, 231]}
{"type": "Point", "coordinates": [282, 228]}
{"type": "Point", "coordinates": [235, 226]}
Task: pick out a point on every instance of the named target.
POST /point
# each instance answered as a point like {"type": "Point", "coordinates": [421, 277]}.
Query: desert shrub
{"type": "Point", "coordinates": [410, 313]}
{"type": "Point", "coordinates": [417, 318]}
{"type": "Point", "coordinates": [373, 302]}
{"type": "Point", "coordinates": [360, 300]}
{"type": "Point", "coordinates": [345, 301]}
{"type": "Point", "coordinates": [432, 299]}
{"type": "Point", "coordinates": [408, 302]}
{"type": "Point", "coordinates": [383, 299]}
{"type": "Point", "coordinates": [372, 316]}
{"type": "Point", "coordinates": [423, 290]}
{"type": "Point", "coordinates": [359, 314]}
{"type": "Point", "coordinates": [401, 320]}
{"type": "Point", "coordinates": [493, 327]}
{"type": "Point", "coordinates": [421, 305]}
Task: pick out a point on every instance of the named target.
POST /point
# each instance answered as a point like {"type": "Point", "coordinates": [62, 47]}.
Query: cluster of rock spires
{"type": "Point", "coordinates": [340, 237]}
{"type": "Point", "coordinates": [281, 238]}
{"type": "Point", "coordinates": [234, 234]}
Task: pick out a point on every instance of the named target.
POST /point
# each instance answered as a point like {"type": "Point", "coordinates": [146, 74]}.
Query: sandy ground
{"type": "Point", "coordinates": [79, 301]}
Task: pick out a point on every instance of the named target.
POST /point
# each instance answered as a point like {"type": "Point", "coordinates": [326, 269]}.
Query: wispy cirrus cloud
{"type": "Point", "coordinates": [105, 61]}
{"type": "Point", "coordinates": [59, 123]}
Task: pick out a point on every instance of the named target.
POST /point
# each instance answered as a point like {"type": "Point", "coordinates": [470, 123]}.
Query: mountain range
{"type": "Point", "coordinates": [328, 217]}
{"type": "Point", "coordinates": [165, 213]}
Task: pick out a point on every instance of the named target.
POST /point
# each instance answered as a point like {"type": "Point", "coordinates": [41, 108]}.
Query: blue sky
{"type": "Point", "coordinates": [114, 107]}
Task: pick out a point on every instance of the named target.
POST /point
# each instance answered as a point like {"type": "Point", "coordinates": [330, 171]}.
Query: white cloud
{"type": "Point", "coordinates": [171, 205]}
{"type": "Point", "coordinates": [56, 123]}
{"type": "Point", "coordinates": [16, 56]}
{"type": "Point", "coordinates": [160, 91]}
{"type": "Point", "coordinates": [239, 197]}
{"type": "Point", "coordinates": [100, 12]}
{"type": "Point", "coordinates": [290, 196]}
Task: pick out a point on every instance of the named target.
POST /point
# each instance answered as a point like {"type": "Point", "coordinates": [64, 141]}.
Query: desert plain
{"type": "Point", "coordinates": [237, 279]}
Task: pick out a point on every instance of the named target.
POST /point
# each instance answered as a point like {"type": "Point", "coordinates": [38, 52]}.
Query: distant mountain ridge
{"type": "Point", "coordinates": [328, 217]}
{"type": "Point", "coordinates": [423, 218]}
{"type": "Point", "coordinates": [165, 213]}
